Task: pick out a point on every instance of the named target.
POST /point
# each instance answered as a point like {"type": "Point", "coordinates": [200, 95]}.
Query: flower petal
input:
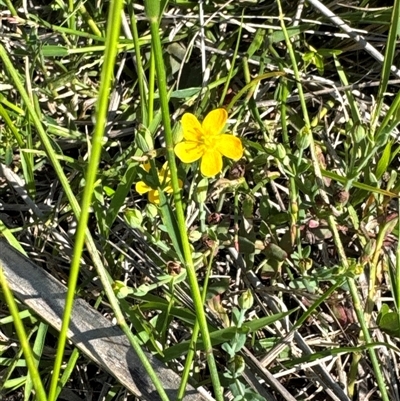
{"type": "Point", "coordinates": [189, 151]}
{"type": "Point", "coordinates": [141, 187]}
{"type": "Point", "coordinates": [215, 122]}
{"type": "Point", "coordinates": [168, 189]}
{"type": "Point", "coordinates": [146, 166]}
{"type": "Point", "coordinates": [211, 163]}
{"type": "Point", "coordinates": [191, 126]}
{"type": "Point", "coordinates": [164, 175]}
{"type": "Point", "coordinates": [154, 196]}
{"type": "Point", "coordinates": [230, 146]}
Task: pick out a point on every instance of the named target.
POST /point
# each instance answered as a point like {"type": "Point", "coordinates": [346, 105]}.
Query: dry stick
{"type": "Point", "coordinates": [20, 187]}
{"type": "Point", "coordinates": [328, 91]}
{"type": "Point", "coordinates": [355, 36]}
{"type": "Point", "coordinates": [322, 375]}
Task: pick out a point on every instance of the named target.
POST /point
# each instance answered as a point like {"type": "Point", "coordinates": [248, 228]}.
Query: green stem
{"type": "Point", "coordinates": [20, 329]}
{"type": "Point", "coordinates": [139, 68]}
{"type": "Point", "coordinates": [196, 328]}
{"type": "Point", "coordinates": [369, 306]}
{"type": "Point", "coordinates": [89, 20]}
{"type": "Point", "coordinates": [397, 281]}
{"type": "Point", "coordinates": [114, 22]}
{"type": "Point", "coordinates": [293, 193]}
{"type": "Point", "coordinates": [231, 70]}
{"type": "Point", "coordinates": [10, 7]}
{"type": "Point", "coordinates": [153, 13]}
{"type": "Point", "coordinates": [91, 246]}
{"type": "Point", "coordinates": [71, 13]}
{"type": "Point", "coordinates": [306, 130]}
{"type": "Point", "coordinates": [151, 87]}
{"type": "Point", "coordinates": [358, 310]}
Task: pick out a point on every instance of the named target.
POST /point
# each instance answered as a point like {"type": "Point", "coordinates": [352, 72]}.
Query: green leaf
{"type": "Point", "coordinates": [120, 193]}
{"type": "Point", "coordinates": [54, 51]}
{"type": "Point", "coordinates": [201, 190]}
{"type": "Point", "coordinates": [278, 35]}
{"type": "Point", "coordinates": [169, 220]}
{"type": "Point", "coordinates": [134, 218]}
{"type": "Point", "coordinates": [185, 93]}
{"type": "Point", "coordinates": [224, 335]}
{"type": "Point", "coordinates": [390, 324]}
{"type": "Point", "coordinates": [384, 161]}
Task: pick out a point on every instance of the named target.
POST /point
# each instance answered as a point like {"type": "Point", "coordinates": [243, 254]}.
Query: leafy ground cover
{"type": "Point", "coordinates": [218, 178]}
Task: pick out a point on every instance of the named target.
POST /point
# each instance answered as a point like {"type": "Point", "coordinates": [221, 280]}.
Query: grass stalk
{"type": "Point", "coordinates": [23, 338]}
{"type": "Point", "coordinates": [192, 347]}
{"type": "Point", "coordinates": [103, 275]}
{"type": "Point", "coordinates": [145, 110]}
{"type": "Point", "coordinates": [358, 309]}
{"type": "Point", "coordinates": [306, 130]}
{"type": "Point", "coordinates": [153, 14]}
{"type": "Point", "coordinates": [89, 20]}
{"type": "Point", "coordinates": [397, 285]}
{"type": "Point", "coordinates": [114, 22]}
{"type": "Point", "coordinates": [384, 229]}
{"type": "Point", "coordinates": [390, 50]}
{"type": "Point", "coordinates": [231, 69]}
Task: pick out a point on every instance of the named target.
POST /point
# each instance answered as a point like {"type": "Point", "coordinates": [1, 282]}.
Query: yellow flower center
{"type": "Point", "coordinates": [209, 141]}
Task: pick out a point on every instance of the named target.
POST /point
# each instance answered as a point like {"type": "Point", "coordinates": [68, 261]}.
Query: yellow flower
{"type": "Point", "coordinates": [164, 176]}
{"type": "Point", "coordinates": [206, 141]}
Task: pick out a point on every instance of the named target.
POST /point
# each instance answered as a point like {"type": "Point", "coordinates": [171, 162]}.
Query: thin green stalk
{"type": "Point", "coordinates": [91, 246]}
{"type": "Point", "coordinates": [250, 98]}
{"type": "Point", "coordinates": [307, 127]}
{"type": "Point", "coordinates": [390, 51]}
{"type": "Point", "coordinates": [20, 329]}
{"type": "Point", "coordinates": [231, 70]}
{"type": "Point", "coordinates": [236, 222]}
{"type": "Point", "coordinates": [358, 309]}
{"type": "Point", "coordinates": [352, 375]}
{"type": "Point", "coordinates": [152, 9]}
{"type": "Point", "coordinates": [71, 13]}
{"type": "Point", "coordinates": [294, 66]}
{"type": "Point", "coordinates": [220, 202]}
{"type": "Point", "coordinates": [293, 193]}
{"type": "Point", "coordinates": [113, 28]}
{"type": "Point", "coordinates": [369, 305]}
{"type": "Point", "coordinates": [69, 369]}
{"type": "Point", "coordinates": [89, 20]}
{"type": "Point", "coordinates": [196, 328]}
{"type": "Point", "coordinates": [152, 75]}
{"type": "Point", "coordinates": [10, 7]}
{"type": "Point", "coordinates": [37, 352]}
{"type": "Point", "coordinates": [139, 68]}
{"type": "Point", "coordinates": [397, 283]}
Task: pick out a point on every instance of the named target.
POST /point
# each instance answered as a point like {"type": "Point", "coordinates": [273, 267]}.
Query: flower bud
{"type": "Point", "coordinates": [246, 300]}
{"type": "Point", "coordinates": [144, 139]}
{"type": "Point", "coordinates": [303, 138]}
